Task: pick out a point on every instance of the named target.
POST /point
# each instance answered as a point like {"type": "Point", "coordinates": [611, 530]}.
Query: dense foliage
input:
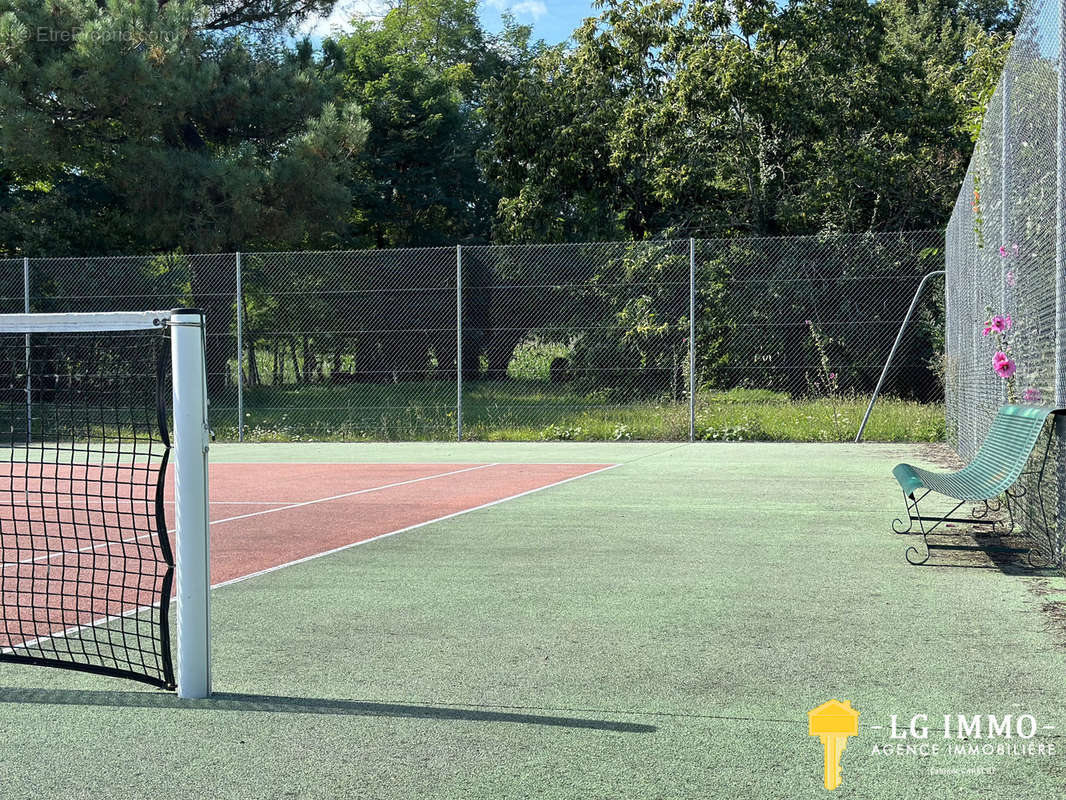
{"type": "Point", "coordinates": [147, 126]}
{"type": "Point", "coordinates": [175, 126]}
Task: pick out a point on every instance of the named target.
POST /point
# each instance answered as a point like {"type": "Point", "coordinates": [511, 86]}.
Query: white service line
{"type": "Point", "coordinates": [411, 527]}
{"type": "Point", "coordinates": [353, 494]}
{"type": "Point", "coordinates": [96, 623]}
{"type": "Point", "coordinates": [246, 502]}
{"type": "Point", "coordinates": [130, 612]}
{"type": "Point", "coordinates": [129, 539]}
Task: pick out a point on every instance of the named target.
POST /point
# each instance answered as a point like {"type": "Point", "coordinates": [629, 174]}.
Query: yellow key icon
{"type": "Point", "coordinates": [833, 722]}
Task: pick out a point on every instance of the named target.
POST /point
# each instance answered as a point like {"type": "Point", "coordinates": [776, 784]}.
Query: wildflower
{"type": "Point", "coordinates": [1012, 280]}
{"type": "Point", "coordinates": [998, 323]}
{"type": "Point", "coordinates": [832, 376]}
{"type": "Point", "coordinates": [1031, 395]}
{"type": "Point", "coordinates": [1002, 251]}
{"type": "Point", "coordinates": [1003, 365]}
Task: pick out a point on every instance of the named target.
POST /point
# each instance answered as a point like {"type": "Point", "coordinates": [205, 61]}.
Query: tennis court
{"type": "Point", "coordinates": [262, 516]}
{"type": "Point", "coordinates": [656, 629]}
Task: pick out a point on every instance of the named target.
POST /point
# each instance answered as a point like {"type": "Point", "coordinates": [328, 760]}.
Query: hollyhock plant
{"type": "Point", "coordinates": [1032, 396]}
{"type": "Point", "coordinates": [1004, 367]}
{"type": "Point", "coordinates": [997, 326]}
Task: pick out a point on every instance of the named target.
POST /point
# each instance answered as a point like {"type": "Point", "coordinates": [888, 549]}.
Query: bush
{"type": "Point", "coordinates": [537, 360]}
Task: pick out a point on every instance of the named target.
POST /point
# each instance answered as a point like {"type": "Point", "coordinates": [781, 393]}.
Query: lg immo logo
{"type": "Point", "coordinates": [969, 742]}
{"type": "Point", "coordinates": [833, 722]}
{"type": "Point", "coordinates": [966, 735]}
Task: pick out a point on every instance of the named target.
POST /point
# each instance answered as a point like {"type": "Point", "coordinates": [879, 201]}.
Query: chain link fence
{"type": "Point", "coordinates": [1006, 258]}
{"type": "Point", "coordinates": [570, 341]}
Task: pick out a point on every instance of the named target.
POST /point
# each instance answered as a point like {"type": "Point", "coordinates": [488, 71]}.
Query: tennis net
{"type": "Point", "coordinates": [85, 441]}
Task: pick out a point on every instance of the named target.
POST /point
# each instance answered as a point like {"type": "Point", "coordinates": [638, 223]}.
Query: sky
{"type": "Point", "coordinates": [552, 20]}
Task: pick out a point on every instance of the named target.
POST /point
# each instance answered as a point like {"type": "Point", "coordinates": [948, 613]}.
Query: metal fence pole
{"type": "Point", "coordinates": [240, 353]}
{"type": "Point", "coordinates": [1060, 278]}
{"type": "Point", "coordinates": [459, 342]}
{"type": "Point", "coordinates": [29, 384]}
{"type": "Point", "coordinates": [692, 340]}
{"type": "Point", "coordinates": [1004, 183]}
{"type": "Point", "coordinates": [1060, 283]}
{"type": "Point", "coordinates": [895, 347]}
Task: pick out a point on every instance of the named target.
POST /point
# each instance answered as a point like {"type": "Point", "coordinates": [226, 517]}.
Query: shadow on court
{"type": "Point", "coordinates": [229, 701]}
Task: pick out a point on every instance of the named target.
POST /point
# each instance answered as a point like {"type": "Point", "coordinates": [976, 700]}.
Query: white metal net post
{"type": "Point", "coordinates": [192, 438]}
{"type": "Point", "coordinates": [87, 569]}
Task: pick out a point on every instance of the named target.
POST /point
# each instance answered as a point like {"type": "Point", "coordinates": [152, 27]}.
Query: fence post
{"type": "Point", "coordinates": [29, 383]}
{"type": "Point", "coordinates": [1004, 184]}
{"type": "Point", "coordinates": [459, 343]}
{"type": "Point", "coordinates": [1060, 287]}
{"type": "Point", "coordinates": [692, 340]}
{"type": "Point", "coordinates": [240, 352]}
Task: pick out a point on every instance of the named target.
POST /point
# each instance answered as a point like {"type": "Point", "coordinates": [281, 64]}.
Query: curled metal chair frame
{"type": "Point", "coordinates": [981, 515]}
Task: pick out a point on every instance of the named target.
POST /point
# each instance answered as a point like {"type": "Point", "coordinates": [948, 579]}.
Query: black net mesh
{"type": "Point", "coordinates": [87, 567]}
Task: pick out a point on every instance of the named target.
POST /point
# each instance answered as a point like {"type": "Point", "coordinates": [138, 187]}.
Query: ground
{"type": "Point", "coordinates": [656, 630]}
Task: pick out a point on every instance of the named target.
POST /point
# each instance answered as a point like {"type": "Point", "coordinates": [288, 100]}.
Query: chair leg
{"type": "Point", "coordinates": [918, 558]}
{"type": "Point", "coordinates": [997, 526]}
{"type": "Point", "coordinates": [897, 523]}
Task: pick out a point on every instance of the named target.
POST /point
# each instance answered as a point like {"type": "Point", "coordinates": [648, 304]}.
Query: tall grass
{"type": "Point", "coordinates": [517, 410]}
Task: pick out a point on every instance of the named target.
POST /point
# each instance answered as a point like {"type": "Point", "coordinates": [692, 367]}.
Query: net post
{"type": "Point", "coordinates": [29, 371]}
{"type": "Point", "coordinates": [459, 342]}
{"type": "Point", "coordinates": [240, 352]}
{"type": "Point", "coordinates": [692, 339]}
{"type": "Point", "coordinates": [191, 437]}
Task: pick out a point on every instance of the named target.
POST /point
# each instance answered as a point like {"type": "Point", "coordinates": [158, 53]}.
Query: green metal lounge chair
{"type": "Point", "coordinates": [993, 474]}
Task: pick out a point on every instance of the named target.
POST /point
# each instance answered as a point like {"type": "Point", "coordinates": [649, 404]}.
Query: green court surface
{"type": "Point", "coordinates": [656, 630]}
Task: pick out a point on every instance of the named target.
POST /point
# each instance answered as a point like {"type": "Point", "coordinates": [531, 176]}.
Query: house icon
{"type": "Point", "coordinates": [833, 722]}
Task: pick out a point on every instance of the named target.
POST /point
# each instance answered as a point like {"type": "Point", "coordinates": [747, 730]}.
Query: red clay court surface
{"type": "Point", "coordinates": [267, 515]}
{"type": "Point", "coordinates": [76, 547]}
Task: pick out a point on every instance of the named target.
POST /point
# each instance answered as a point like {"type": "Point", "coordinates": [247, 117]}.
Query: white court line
{"type": "Point", "coordinates": [245, 502]}
{"type": "Point", "coordinates": [96, 623]}
{"type": "Point", "coordinates": [411, 527]}
{"type": "Point", "coordinates": [129, 539]}
{"type": "Point", "coordinates": [353, 494]}
{"type": "Point", "coordinates": [305, 559]}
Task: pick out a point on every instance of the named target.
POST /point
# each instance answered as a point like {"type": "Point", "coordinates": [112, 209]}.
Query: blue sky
{"type": "Point", "coordinates": [552, 20]}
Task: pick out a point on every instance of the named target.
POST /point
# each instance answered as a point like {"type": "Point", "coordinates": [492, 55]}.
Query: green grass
{"type": "Point", "coordinates": [517, 410]}
{"type": "Point", "coordinates": [699, 598]}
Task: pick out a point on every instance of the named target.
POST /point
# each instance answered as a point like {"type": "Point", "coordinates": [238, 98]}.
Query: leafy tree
{"type": "Point", "coordinates": [129, 128]}
{"type": "Point", "coordinates": [763, 118]}
{"type": "Point", "coordinates": [420, 73]}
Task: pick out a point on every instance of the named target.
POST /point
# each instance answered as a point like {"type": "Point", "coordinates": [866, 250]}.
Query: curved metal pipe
{"type": "Point", "coordinates": [895, 346]}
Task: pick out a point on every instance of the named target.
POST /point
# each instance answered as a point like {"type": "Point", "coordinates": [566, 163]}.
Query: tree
{"type": "Point", "coordinates": [420, 73]}
{"type": "Point", "coordinates": [761, 118]}
{"type": "Point", "coordinates": [129, 128]}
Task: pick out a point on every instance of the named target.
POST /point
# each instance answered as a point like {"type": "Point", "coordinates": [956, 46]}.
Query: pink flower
{"type": "Point", "coordinates": [1012, 280]}
{"type": "Point", "coordinates": [832, 376]}
{"type": "Point", "coordinates": [1003, 251]}
{"type": "Point", "coordinates": [1003, 367]}
{"type": "Point", "coordinates": [1000, 323]}
{"type": "Point", "coordinates": [987, 330]}
{"type": "Point", "coordinates": [1031, 395]}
